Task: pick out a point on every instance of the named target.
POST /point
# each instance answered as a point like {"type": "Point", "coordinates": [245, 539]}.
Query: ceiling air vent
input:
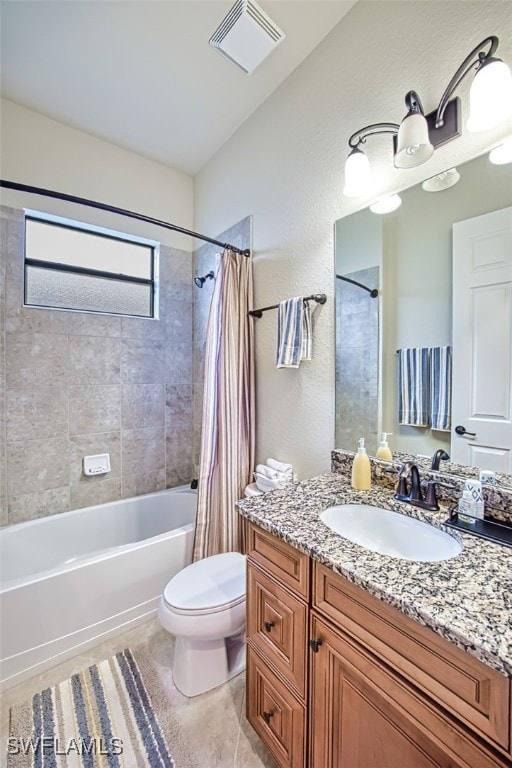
{"type": "Point", "coordinates": [246, 35]}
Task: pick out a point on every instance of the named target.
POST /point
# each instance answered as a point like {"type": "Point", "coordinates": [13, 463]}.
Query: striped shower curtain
{"type": "Point", "coordinates": [227, 430]}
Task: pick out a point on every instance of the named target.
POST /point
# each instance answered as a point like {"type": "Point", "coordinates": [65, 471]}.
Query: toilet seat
{"type": "Point", "coordinates": [208, 586]}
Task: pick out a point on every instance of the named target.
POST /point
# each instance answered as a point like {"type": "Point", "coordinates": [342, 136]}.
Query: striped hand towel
{"type": "Point", "coordinates": [293, 332]}
{"type": "Point", "coordinates": [440, 388]}
{"type": "Point", "coordinates": [413, 386]}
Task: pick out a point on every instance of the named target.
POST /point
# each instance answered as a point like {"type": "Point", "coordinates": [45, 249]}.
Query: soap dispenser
{"type": "Point", "coordinates": [384, 451]}
{"type": "Point", "coordinates": [361, 470]}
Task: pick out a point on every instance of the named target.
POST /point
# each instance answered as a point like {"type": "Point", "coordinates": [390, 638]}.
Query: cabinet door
{"type": "Point", "coordinates": [358, 718]}
{"type": "Point", "coordinates": [276, 715]}
{"type": "Point", "coordinates": [277, 624]}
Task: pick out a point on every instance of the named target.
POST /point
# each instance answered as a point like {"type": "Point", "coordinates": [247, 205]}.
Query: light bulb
{"type": "Point", "coordinates": [386, 204]}
{"type": "Point", "coordinates": [490, 97]}
{"type": "Point", "coordinates": [502, 154]}
{"type": "Point", "coordinates": [358, 175]}
{"type": "Point", "coordinates": [413, 143]}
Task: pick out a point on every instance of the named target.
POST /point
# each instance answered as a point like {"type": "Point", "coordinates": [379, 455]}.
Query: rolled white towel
{"type": "Point", "coordinates": [280, 466]}
{"type": "Point", "coordinates": [264, 483]}
{"type": "Point", "coordinates": [262, 469]}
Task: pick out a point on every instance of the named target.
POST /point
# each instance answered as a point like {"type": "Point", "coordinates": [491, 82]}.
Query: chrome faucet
{"type": "Point", "coordinates": [412, 493]}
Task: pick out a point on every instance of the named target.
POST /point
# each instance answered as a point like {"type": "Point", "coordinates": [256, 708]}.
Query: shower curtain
{"type": "Point", "coordinates": [227, 430]}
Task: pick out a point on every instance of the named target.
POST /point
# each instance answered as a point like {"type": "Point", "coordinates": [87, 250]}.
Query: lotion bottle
{"type": "Point", "coordinates": [384, 451]}
{"type": "Point", "coordinates": [361, 470]}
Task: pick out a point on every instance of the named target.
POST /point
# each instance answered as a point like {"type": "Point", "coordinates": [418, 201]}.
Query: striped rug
{"type": "Point", "coordinates": [100, 718]}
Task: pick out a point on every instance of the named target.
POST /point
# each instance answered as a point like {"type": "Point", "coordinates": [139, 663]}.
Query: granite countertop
{"type": "Point", "coordinates": [467, 599]}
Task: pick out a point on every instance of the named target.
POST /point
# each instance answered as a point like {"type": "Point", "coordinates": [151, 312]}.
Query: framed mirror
{"type": "Point", "coordinates": [407, 256]}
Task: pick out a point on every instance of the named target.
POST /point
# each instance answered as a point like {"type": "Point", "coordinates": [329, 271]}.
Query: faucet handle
{"type": "Point", "coordinates": [430, 497]}
{"type": "Point", "coordinates": [402, 485]}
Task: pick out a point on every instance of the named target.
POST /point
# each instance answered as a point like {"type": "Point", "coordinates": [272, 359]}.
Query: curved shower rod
{"type": "Point", "coordinates": [121, 211]}
{"type": "Point", "coordinates": [372, 291]}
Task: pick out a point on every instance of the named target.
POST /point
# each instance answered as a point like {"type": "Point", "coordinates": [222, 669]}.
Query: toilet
{"type": "Point", "coordinates": [203, 606]}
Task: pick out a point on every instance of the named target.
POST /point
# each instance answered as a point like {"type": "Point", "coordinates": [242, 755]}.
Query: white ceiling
{"type": "Point", "coordinates": [140, 73]}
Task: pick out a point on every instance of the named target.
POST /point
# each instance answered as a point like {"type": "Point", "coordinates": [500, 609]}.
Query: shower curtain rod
{"type": "Point", "coordinates": [320, 298]}
{"type": "Point", "coordinates": [372, 291]}
{"type": "Point", "coordinates": [121, 211]}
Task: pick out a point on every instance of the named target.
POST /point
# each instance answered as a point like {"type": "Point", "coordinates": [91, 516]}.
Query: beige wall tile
{"type": "Point", "coordinates": [180, 475]}
{"type": "Point", "coordinates": [89, 324]}
{"type": "Point", "coordinates": [36, 412]}
{"type": "Point", "coordinates": [143, 450]}
{"type": "Point", "coordinates": [178, 320]}
{"type": "Point", "coordinates": [142, 360]}
{"type": "Point", "coordinates": [90, 445]}
{"type": "Point", "coordinates": [94, 409]}
{"type": "Point", "coordinates": [30, 506]}
{"type": "Point", "coordinates": [36, 359]}
{"type": "Point", "coordinates": [179, 447]}
{"type": "Point", "coordinates": [94, 360]}
{"type": "Point", "coordinates": [75, 378]}
{"type": "Point", "coordinates": [144, 327]}
{"type": "Point", "coordinates": [4, 516]}
{"type": "Point", "coordinates": [134, 485]}
{"type": "Point", "coordinates": [143, 405]}
{"type": "Point", "coordinates": [37, 465]}
{"type": "Point", "coordinates": [95, 490]}
{"type": "Point", "coordinates": [3, 470]}
{"type": "Point", "coordinates": [178, 363]}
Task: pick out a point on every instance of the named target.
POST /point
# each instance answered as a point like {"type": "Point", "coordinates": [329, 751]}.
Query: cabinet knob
{"type": "Point", "coordinates": [268, 625]}
{"type": "Point", "coordinates": [315, 645]}
{"type": "Point", "coordinates": [267, 716]}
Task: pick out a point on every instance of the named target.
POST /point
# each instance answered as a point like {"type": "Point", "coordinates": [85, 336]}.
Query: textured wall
{"type": "Point", "coordinates": [73, 383]}
{"type": "Point", "coordinates": [41, 152]}
{"type": "Point", "coordinates": [285, 167]}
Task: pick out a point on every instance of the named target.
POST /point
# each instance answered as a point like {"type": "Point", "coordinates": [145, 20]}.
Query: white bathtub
{"type": "Point", "coordinates": [71, 580]}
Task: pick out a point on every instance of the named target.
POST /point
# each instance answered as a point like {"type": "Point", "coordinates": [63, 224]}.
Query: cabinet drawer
{"type": "Point", "coordinates": [286, 563]}
{"type": "Point", "coordinates": [277, 624]}
{"type": "Point", "coordinates": [275, 713]}
{"type": "Point", "coordinates": [469, 689]}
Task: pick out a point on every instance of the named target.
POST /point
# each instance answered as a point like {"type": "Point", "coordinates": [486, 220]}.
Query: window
{"type": "Point", "coordinates": [70, 265]}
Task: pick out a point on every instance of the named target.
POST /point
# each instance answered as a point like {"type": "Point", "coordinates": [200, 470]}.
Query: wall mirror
{"type": "Point", "coordinates": [407, 256]}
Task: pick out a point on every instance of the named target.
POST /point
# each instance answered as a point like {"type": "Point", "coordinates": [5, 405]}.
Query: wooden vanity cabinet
{"type": "Point", "coordinates": [339, 679]}
{"type": "Point", "coordinates": [278, 593]}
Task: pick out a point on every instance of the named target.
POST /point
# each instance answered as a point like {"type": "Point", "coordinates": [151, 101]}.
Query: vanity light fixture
{"type": "Point", "coordinates": [502, 154]}
{"type": "Point", "coordinates": [415, 139]}
{"type": "Point", "coordinates": [443, 180]}
{"type": "Point", "coordinates": [386, 204]}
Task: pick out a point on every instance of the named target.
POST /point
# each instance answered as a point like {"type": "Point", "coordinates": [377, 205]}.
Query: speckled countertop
{"type": "Point", "coordinates": [467, 599]}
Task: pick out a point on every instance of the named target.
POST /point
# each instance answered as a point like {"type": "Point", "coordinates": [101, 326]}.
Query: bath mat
{"type": "Point", "coordinates": [102, 717]}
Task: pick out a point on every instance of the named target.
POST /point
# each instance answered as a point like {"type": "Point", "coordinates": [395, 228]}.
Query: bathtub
{"type": "Point", "coordinates": [71, 580]}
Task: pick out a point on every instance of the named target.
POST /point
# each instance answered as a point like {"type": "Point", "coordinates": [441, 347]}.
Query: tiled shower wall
{"type": "Point", "coordinates": [357, 362]}
{"type": "Point", "coordinates": [205, 259]}
{"type": "Point", "coordinates": [74, 383]}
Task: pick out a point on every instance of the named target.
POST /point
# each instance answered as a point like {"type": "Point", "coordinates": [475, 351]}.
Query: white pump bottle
{"type": "Point", "coordinates": [361, 469]}
{"type": "Point", "coordinates": [384, 451]}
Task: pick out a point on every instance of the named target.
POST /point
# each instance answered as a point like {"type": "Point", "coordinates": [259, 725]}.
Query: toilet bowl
{"type": "Point", "coordinates": [203, 606]}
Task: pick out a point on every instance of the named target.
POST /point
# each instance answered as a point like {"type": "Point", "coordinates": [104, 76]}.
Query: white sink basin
{"type": "Point", "coordinates": [390, 533]}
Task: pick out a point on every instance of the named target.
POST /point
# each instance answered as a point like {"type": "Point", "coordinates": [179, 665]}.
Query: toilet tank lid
{"type": "Point", "coordinates": [209, 583]}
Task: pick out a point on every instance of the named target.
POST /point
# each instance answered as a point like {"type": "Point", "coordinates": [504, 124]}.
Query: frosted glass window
{"type": "Point", "coordinates": [49, 288]}
{"type": "Point", "coordinates": [70, 265]}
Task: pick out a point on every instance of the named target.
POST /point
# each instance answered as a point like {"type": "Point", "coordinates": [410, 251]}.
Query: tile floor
{"type": "Point", "coordinates": [224, 738]}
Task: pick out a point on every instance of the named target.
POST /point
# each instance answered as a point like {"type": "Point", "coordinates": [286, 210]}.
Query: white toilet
{"type": "Point", "coordinates": [203, 606]}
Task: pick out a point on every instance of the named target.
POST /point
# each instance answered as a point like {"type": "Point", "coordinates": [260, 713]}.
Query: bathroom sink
{"type": "Point", "coordinates": [390, 533]}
